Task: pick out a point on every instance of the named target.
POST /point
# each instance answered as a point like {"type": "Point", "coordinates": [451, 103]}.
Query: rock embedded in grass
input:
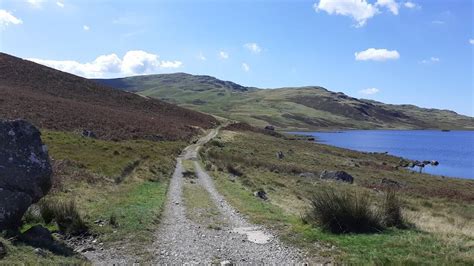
{"type": "Point", "coordinates": [337, 175]}
{"type": "Point", "coordinates": [25, 170]}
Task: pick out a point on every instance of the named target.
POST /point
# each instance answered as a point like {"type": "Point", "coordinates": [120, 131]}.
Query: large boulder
{"type": "Point", "coordinates": [337, 175]}
{"type": "Point", "coordinates": [25, 170]}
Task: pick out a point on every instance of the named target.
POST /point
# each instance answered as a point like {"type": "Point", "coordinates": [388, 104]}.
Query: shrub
{"type": "Point", "coordinates": [343, 213]}
{"type": "Point", "coordinates": [65, 214]}
{"type": "Point", "coordinates": [391, 211]}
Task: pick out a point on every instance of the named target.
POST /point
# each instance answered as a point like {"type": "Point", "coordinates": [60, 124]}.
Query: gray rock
{"type": "Point", "coordinates": [307, 175]}
{"type": "Point", "coordinates": [261, 194]}
{"type": "Point", "coordinates": [337, 175]}
{"type": "Point", "coordinates": [40, 252]}
{"type": "Point", "coordinates": [25, 170]}
{"type": "Point", "coordinates": [280, 155]}
{"type": "Point", "coordinates": [40, 237]}
{"type": "Point", "coordinates": [270, 127]}
{"type": "Point", "coordinates": [88, 134]}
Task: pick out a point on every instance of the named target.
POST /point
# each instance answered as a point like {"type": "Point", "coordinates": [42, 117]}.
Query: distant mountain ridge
{"type": "Point", "coordinates": [56, 100]}
{"type": "Point", "coordinates": [290, 108]}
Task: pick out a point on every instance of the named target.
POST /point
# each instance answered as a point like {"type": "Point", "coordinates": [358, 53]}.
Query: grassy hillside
{"type": "Point", "coordinates": [440, 211]}
{"type": "Point", "coordinates": [55, 100]}
{"type": "Point", "coordinates": [303, 108]}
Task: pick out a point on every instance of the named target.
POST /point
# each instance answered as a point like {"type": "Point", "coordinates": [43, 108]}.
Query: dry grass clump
{"type": "Point", "coordinates": [344, 212]}
{"type": "Point", "coordinates": [65, 214]}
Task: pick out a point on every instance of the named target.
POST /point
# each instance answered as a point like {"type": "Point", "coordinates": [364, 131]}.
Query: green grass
{"type": "Point", "coordinates": [106, 183]}
{"type": "Point", "coordinates": [136, 208]}
{"type": "Point", "coordinates": [199, 206]}
{"type": "Point", "coordinates": [110, 158]}
{"type": "Point", "coordinates": [443, 239]}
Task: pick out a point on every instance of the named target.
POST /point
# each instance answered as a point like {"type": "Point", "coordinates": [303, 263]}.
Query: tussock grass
{"type": "Point", "coordinates": [342, 213]}
{"type": "Point", "coordinates": [391, 211]}
{"type": "Point", "coordinates": [66, 215]}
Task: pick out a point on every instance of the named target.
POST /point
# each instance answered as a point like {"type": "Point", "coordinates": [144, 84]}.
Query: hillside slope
{"type": "Point", "coordinates": [52, 99]}
{"type": "Point", "coordinates": [301, 108]}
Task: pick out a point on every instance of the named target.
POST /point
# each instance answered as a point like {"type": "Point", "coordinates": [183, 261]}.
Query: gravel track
{"type": "Point", "coordinates": [180, 240]}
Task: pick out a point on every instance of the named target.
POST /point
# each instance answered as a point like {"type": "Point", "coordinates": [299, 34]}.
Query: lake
{"type": "Point", "coordinates": [454, 149]}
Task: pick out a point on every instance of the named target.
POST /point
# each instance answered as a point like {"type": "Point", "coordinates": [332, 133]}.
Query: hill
{"type": "Point", "coordinates": [291, 108]}
{"type": "Point", "coordinates": [55, 100]}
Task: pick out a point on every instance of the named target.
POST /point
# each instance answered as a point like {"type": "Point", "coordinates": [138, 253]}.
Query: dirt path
{"type": "Point", "coordinates": [180, 240]}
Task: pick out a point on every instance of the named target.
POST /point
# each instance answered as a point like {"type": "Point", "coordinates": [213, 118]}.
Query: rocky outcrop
{"type": "Point", "coordinates": [25, 170]}
{"type": "Point", "coordinates": [337, 175]}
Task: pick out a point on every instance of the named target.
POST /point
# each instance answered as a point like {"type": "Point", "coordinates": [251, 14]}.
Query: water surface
{"type": "Point", "coordinates": [454, 149]}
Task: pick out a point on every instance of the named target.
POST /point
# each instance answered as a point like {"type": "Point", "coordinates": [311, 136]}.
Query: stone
{"type": "Point", "coordinates": [40, 252]}
{"type": "Point", "coordinates": [307, 175]}
{"type": "Point", "coordinates": [270, 127]}
{"type": "Point", "coordinates": [88, 134]}
{"type": "Point", "coordinates": [260, 194]}
{"type": "Point", "coordinates": [40, 237]}
{"type": "Point", "coordinates": [25, 170]}
{"type": "Point", "coordinates": [280, 155]}
{"type": "Point", "coordinates": [337, 175]}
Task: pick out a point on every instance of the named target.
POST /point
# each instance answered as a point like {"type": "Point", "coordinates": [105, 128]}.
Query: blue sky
{"type": "Point", "coordinates": [395, 51]}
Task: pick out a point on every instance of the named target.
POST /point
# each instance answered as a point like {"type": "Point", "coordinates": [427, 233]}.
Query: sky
{"type": "Point", "coordinates": [396, 51]}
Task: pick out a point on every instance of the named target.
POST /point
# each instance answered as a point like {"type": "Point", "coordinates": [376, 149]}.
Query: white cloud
{"type": "Point", "coordinates": [60, 4]}
{"type": "Point", "coordinates": [439, 22]}
{"type": "Point", "coordinates": [171, 64]}
{"type": "Point", "coordinates": [133, 63]}
{"type": "Point", "coordinates": [253, 47]}
{"type": "Point", "coordinates": [359, 10]}
{"type": "Point", "coordinates": [390, 4]}
{"type": "Point", "coordinates": [471, 41]}
{"type": "Point", "coordinates": [245, 67]}
{"type": "Point", "coordinates": [35, 3]}
{"type": "Point", "coordinates": [86, 28]}
{"type": "Point", "coordinates": [377, 55]}
{"type": "Point", "coordinates": [6, 18]}
{"type": "Point", "coordinates": [201, 57]}
{"type": "Point", "coordinates": [369, 91]}
{"type": "Point", "coordinates": [431, 60]}
{"type": "Point", "coordinates": [411, 5]}
{"type": "Point", "coordinates": [223, 55]}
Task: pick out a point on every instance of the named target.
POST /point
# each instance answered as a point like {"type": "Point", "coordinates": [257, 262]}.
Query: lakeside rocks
{"type": "Point", "coordinates": [25, 170]}
{"type": "Point", "coordinates": [337, 175]}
